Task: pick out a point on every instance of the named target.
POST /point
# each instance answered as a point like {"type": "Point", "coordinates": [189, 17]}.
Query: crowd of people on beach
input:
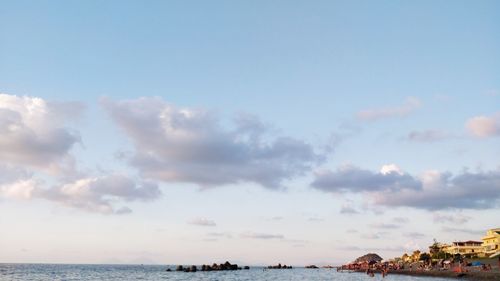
{"type": "Point", "coordinates": [458, 266]}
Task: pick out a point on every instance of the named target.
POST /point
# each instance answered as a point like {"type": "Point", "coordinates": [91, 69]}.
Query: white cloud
{"type": "Point", "coordinates": [484, 126]}
{"type": "Point", "coordinates": [390, 168]}
{"type": "Point", "coordinates": [21, 189]}
{"type": "Point", "coordinates": [411, 104]}
{"type": "Point", "coordinates": [33, 132]}
{"type": "Point", "coordinates": [191, 145]}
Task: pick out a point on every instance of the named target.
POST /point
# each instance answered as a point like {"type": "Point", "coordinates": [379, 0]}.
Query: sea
{"type": "Point", "coordinates": [66, 272]}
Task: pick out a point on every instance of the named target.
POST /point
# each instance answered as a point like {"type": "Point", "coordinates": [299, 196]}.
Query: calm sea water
{"type": "Point", "coordinates": [59, 272]}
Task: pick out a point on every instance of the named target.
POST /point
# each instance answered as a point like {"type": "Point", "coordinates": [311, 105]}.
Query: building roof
{"type": "Point", "coordinates": [469, 242]}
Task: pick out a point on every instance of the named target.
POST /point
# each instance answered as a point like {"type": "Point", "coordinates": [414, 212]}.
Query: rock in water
{"type": "Point", "coordinates": [370, 257]}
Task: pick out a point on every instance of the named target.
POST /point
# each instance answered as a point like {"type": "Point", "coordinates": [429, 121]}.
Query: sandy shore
{"type": "Point", "coordinates": [472, 275]}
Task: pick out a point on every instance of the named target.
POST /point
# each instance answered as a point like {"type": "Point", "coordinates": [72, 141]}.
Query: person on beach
{"type": "Point", "coordinates": [384, 272]}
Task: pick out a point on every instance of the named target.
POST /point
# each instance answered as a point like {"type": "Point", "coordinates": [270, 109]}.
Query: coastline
{"type": "Point", "coordinates": [472, 275]}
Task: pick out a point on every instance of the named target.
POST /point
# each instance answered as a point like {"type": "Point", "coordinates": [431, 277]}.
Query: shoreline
{"type": "Point", "coordinates": [471, 275]}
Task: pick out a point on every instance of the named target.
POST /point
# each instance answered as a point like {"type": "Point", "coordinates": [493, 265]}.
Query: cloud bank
{"type": "Point", "coordinates": [432, 190]}
{"type": "Point", "coordinates": [191, 145]}
{"type": "Point", "coordinates": [36, 162]}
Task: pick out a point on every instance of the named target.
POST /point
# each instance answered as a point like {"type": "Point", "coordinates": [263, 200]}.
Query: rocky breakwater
{"type": "Point", "coordinates": [214, 267]}
{"type": "Point", "coordinates": [279, 266]}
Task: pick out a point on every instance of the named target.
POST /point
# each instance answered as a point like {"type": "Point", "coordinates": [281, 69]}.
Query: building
{"type": "Point", "coordinates": [467, 248]}
{"type": "Point", "coordinates": [491, 242]}
{"type": "Point", "coordinates": [437, 248]}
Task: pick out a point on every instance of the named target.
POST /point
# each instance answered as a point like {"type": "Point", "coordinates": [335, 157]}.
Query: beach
{"type": "Point", "coordinates": [471, 275]}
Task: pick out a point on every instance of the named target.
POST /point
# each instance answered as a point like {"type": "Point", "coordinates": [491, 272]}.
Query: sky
{"type": "Point", "coordinates": [171, 132]}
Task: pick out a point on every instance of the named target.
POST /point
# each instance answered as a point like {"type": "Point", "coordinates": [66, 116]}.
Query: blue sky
{"type": "Point", "coordinates": [231, 130]}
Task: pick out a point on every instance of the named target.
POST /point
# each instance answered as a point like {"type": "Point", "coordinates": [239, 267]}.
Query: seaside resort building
{"type": "Point", "coordinates": [470, 248]}
{"type": "Point", "coordinates": [491, 242]}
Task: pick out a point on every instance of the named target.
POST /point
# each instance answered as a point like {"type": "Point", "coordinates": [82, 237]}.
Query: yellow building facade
{"type": "Point", "coordinates": [472, 248]}
{"type": "Point", "coordinates": [491, 242]}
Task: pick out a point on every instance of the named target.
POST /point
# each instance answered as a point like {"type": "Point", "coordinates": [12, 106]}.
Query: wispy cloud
{"type": "Point", "coordinates": [348, 210]}
{"type": "Point", "coordinates": [462, 230]}
{"type": "Point", "coordinates": [384, 225]}
{"type": "Point", "coordinates": [455, 218]}
{"type": "Point", "coordinates": [275, 218]}
{"type": "Point", "coordinates": [372, 249]}
{"type": "Point", "coordinates": [411, 104]}
{"type": "Point", "coordinates": [315, 219]}
{"type": "Point", "coordinates": [220, 235]}
{"type": "Point", "coordinates": [400, 220]}
{"type": "Point", "coordinates": [414, 235]}
{"type": "Point", "coordinates": [428, 136]}
{"type": "Point", "coordinates": [202, 222]}
{"type": "Point", "coordinates": [375, 235]}
{"type": "Point", "coordinates": [265, 236]}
